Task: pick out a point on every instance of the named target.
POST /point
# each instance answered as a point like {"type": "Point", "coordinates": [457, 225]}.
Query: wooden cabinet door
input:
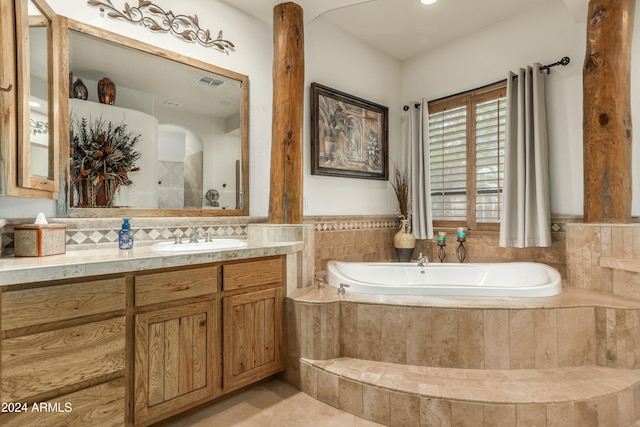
{"type": "Point", "coordinates": [253, 343]}
{"type": "Point", "coordinates": [175, 359]}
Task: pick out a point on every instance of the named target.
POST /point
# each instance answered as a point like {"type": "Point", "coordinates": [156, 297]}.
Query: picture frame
{"type": "Point", "coordinates": [349, 135]}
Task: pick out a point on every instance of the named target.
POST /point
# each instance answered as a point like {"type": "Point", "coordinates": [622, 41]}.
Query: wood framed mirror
{"type": "Point", "coordinates": [189, 120]}
{"type": "Point", "coordinates": [30, 131]}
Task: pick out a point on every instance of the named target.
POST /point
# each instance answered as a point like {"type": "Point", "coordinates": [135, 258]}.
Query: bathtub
{"type": "Point", "coordinates": [510, 279]}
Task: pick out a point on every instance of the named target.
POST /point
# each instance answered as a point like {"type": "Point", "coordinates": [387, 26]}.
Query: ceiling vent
{"type": "Point", "coordinates": [210, 81]}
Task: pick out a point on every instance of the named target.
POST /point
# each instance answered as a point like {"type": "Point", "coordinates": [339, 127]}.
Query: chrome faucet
{"type": "Point", "coordinates": [341, 289]}
{"type": "Point", "coordinates": [422, 260]}
{"type": "Point", "coordinates": [195, 235]}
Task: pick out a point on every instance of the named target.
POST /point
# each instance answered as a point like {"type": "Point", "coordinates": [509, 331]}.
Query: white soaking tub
{"type": "Point", "coordinates": [510, 279]}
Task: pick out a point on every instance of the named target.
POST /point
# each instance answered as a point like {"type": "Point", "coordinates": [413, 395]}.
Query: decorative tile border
{"type": "Point", "coordinates": [328, 223]}
{"type": "Point", "coordinates": [94, 237]}
{"type": "Point", "coordinates": [347, 223]}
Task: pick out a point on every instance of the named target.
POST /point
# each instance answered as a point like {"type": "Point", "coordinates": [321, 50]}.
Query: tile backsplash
{"type": "Point", "coordinates": [86, 233]}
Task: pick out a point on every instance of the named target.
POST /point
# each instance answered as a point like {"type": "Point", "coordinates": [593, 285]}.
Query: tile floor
{"type": "Point", "coordinates": [272, 404]}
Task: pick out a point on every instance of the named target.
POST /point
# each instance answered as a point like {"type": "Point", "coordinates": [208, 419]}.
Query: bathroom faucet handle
{"type": "Point", "coordinates": [341, 289]}
{"type": "Point", "coordinates": [177, 237]}
{"type": "Point", "coordinates": [209, 236]}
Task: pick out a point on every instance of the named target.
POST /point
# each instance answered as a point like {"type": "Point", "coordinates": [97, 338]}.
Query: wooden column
{"type": "Point", "coordinates": [285, 199]}
{"type": "Point", "coordinates": [607, 112]}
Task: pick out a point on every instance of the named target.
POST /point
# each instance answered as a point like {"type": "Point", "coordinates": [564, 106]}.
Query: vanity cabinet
{"type": "Point", "coordinates": [176, 364]}
{"type": "Point", "coordinates": [253, 327]}
{"type": "Point", "coordinates": [62, 356]}
{"type": "Point", "coordinates": [135, 348]}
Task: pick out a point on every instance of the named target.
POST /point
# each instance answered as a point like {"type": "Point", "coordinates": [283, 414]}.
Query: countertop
{"type": "Point", "coordinates": [93, 262]}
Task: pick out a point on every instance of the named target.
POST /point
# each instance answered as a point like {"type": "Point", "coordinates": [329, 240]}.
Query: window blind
{"type": "Point", "coordinates": [447, 145]}
{"type": "Point", "coordinates": [490, 136]}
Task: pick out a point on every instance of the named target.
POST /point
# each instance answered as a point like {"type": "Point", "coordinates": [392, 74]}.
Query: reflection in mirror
{"type": "Point", "coordinates": [188, 116]}
{"type": "Point", "coordinates": [36, 165]}
{"type": "Point", "coordinates": [38, 99]}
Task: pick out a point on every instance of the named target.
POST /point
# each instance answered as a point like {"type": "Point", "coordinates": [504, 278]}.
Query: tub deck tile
{"type": "Point", "coordinates": [570, 297]}
{"type": "Point", "coordinates": [508, 386]}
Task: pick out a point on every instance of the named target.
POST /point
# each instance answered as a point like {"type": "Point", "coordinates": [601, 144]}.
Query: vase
{"type": "Point", "coordinates": [80, 90]}
{"type": "Point", "coordinates": [101, 195]}
{"type": "Point", "coordinates": [404, 242]}
{"type": "Point", "coordinates": [107, 91]}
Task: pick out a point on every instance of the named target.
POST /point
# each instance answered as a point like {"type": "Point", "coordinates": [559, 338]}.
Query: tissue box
{"type": "Point", "coordinates": [39, 239]}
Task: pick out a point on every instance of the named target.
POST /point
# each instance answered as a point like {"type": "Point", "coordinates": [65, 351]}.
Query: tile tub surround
{"type": "Point", "coordinates": [575, 328]}
{"type": "Point", "coordinates": [352, 238]}
{"type": "Point", "coordinates": [568, 338]}
{"type": "Point", "coordinates": [370, 238]}
{"type": "Point", "coordinates": [604, 258]}
{"type": "Point", "coordinates": [484, 247]}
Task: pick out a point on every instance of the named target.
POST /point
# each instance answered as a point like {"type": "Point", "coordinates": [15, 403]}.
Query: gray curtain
{"type": "Point", "coordinates": [420, 179]}
{"type": "Point", "coordinates": [526, 213]}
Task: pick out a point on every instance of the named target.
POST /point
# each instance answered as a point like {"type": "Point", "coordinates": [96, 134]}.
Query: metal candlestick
{"type": "Point", "coordinates": [461, 250]}
{"type": "Point", "coordinates": [442, 254]}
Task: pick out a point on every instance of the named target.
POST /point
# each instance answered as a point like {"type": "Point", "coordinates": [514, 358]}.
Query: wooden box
{"type": "Point", "coordinates": [39, 239]}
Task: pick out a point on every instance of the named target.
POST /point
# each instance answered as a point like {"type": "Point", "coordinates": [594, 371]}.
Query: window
{"type": "Point", "coordinates": [466, 145]}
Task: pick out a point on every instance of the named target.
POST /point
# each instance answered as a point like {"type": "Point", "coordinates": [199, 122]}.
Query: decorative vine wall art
{"type": "Point", "coordinates": [155, 18]}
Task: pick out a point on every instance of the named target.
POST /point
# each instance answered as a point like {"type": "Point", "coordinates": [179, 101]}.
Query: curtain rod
{"type": "Point", "coordinates": [564, 61]}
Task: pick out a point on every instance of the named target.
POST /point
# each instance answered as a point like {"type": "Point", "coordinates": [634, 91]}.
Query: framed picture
{"type": "Point", "coordinates": [349, 136]}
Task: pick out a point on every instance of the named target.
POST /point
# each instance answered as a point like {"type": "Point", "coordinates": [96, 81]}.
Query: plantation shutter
{"type": "Point", "coordinates": [490, 137]}
{"type": "Point", "coordinates": [448, 153]}
{"type": "Point", "coordinates": [466, 145]}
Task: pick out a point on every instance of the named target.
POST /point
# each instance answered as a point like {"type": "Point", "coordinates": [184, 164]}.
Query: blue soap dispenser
{"type": "Point", "coordinates": [125, 237]}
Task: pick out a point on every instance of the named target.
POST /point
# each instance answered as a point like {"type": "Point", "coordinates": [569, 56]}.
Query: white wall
{"type": "Point", "coordinates": [545, 33]}
{"type": "Point", "coordinates": [335, 59]}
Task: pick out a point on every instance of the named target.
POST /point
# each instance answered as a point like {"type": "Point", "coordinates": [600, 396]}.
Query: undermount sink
{"type": "Point", "coordinates": [214, 245]}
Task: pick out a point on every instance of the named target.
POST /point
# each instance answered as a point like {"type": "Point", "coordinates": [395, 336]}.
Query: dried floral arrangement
{"type": "Point", "coordinates": [400, 184]}
{"type": "Point", "coordinates": [101, 153]}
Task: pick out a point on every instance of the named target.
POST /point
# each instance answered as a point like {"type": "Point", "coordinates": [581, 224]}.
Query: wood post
{"type": "Point", "coordinates": [607, 112]}
{"type": "Point", "coordinates": [285, 199]}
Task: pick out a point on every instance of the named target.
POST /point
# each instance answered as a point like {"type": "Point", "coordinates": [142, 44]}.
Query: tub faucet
{"type": "Point", "coordinates": [341, 289]}
{"type": "Point", "coordinates": [422, 260]}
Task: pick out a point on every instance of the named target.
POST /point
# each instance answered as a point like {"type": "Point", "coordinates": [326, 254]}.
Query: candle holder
{"type": "Point", "coordinates": [442, 254]}
{"type": "Point", "coordinates": [461, 250]}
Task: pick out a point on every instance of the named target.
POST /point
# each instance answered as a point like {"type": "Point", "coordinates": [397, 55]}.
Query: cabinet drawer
{"type": "Point", "coordinates": [99, 406]}
{"type": "Point", "coordinates": [252, 273]}
{"type": "Point", "coordinates": [37, 306]}
{"type": "Point", "coordinates": [162, 287]}
{"type": "Point", "coordinates": [42, 362]}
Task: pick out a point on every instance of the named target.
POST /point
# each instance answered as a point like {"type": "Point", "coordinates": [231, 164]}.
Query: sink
{"type": "Point", "coordinates": [214, 245]}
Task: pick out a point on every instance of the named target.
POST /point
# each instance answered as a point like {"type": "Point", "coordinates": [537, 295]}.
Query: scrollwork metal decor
{"type": "Point", "coordinates": [38, 127]}
{"type": "Point", "coordinates": [155, 18]}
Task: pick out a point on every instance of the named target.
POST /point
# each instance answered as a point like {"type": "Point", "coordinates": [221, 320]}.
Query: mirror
{"type": "Point", "coordinates": [36, 56]}
{"type": "Point", "coordinates": [186, 121]}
